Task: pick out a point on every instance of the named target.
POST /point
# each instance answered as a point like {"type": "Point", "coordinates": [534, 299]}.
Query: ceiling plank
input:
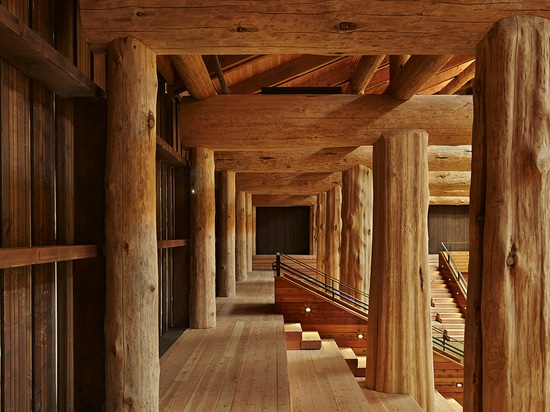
{"type": "Point", "coordinates": [460, 80]}
{"type": "Point", "coordinates": [363, 74]}
{"type": "Point", "coordinates": [283, 73]}
{"type": "Point", "coordinates": [226, 122]}
{"type": "Point", "coordinates": [351, 27]}
{"type": "Point", "coordinates": [193, 73]}
{"type": "Point", "coordinates": [440, 158]}
{"type": "Point", "coordinates": [414, 74]}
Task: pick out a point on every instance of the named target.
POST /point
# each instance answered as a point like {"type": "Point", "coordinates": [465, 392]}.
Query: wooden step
{"type": "Point", "coordinates": [351, 359]}
{"type": "Point", "coordinates": [293, 335]}
{"type": "Point", "coordinates": [311, 340]}
{"type": "Point", "coordinates": [361, 366]}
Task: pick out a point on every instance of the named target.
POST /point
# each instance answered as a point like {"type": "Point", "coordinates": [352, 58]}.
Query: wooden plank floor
{"type": "Point", "coordinates": [243, 365]}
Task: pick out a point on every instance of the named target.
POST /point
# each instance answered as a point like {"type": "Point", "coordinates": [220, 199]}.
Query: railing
{"type": "Point", "coordinates": [338, 290]}
{"type": "Point", "coordinates": [330, 286]}
{"type": "Point", "coordinates": [460, 280]}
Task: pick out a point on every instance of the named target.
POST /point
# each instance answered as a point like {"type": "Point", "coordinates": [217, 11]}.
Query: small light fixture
{"type": "Point", "coordinates": [192, 191]}
{"type": "Point", "coordinates": [459, 384]}
{"type": "Point", "coordinates": [307, 309]}
{"type": "Point", "coordinates": [360, 335]}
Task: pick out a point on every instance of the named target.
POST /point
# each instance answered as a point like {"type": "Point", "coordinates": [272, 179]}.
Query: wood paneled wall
{"type": "Point", "coordinates": [447, 224]}
{"type": "Point", "coordinates": [282, 229]}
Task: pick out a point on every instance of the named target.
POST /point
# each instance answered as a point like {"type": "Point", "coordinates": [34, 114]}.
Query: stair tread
{"type": "Point", "coordinates": [292, 327]}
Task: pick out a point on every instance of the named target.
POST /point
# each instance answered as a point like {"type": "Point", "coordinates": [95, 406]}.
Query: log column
{"type": "Point", "coordinates": [226, 251]}
{"type": "Point", "coordinates": [399, 346]}
{"type": "Point", "coordinates": [356, 253]}
{"type": "Point", "coordinates": [202, 297]}
{"type": "Point", "coordinates": [131, 306]}
{"type": "Point", "coordinates": [241, 262]}
{"type": "Point", "coordinates": [321, 230]}
{"type": "Point", "coordinates": [334, 229]}
{"type": "Point", "coordinates": [507, 363]}
{"type": "Point", "coordinates": [249, 232]}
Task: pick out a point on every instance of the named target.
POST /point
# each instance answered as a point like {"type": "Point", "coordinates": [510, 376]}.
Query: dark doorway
{"type": "Point", "coordinates": [282, 229]}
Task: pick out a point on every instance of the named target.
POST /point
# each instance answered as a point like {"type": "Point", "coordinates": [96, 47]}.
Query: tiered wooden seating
{"type": "Point", "coordinates": [293, 335]}
{"type": "Point", "coordinates": [310, 340]}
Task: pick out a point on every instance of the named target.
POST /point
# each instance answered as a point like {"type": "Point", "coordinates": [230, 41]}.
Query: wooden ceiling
{"type": "Point", "coordinates": [397, 63]}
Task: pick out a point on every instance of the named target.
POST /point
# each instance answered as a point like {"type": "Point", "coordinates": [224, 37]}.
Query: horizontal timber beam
{"type": "Point", "coordinates": [441, 184]}
{"type": "Point", "coordinates": [34, 57]}
{"type": "Point", "coordinates": [274, 122]}
{"type": "Point", "coordinates": [334, 159]}
{"type": "Point", "coordinates": [287, 183]}
{"type": "Point", "coordinates": [282, 200]}
{"type": "Point", "coordinates": [25, 256]}
{"type": "Point", "coordinates": [272, 27]}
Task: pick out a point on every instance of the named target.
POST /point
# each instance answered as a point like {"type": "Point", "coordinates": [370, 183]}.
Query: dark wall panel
{"type": "Point", "coordinates": [448, 224]}
{"type": "Point", "coordinates": [282, 229]}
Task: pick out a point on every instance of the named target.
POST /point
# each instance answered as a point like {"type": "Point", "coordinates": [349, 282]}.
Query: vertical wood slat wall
{"type": "Point", "coordinates": [37, 192]}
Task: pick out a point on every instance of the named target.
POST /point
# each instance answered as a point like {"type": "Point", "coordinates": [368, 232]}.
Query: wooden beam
{"type": "Point", "coordinates": [283, 200]}
{"type": "Point", "coordinates": [414, 74]}
{"type": "Point", "coordinates": [193, 73]}
{"type": "Point", "coordinates": [319, 121]}
{"type": "Point", "coordinates": [460, 80]}
{"type": "Point", "coordinates": [225, 27]}
{"type": "Point", "coordinates": [287, 183]}
{"type": "Point", "coordinates": [449, 200]}
{"type": "Point", "coordinates": [282, 73]}
{"type": "Point", "coordinates": [363, 74]}
{"type": "Point", "coordinates": [38, 255]}
{"type": "Point", "coordinates": [33, 56]}
{"type": "Point", "coordinates": [446, 184]}
{"type": "Point", "coordinates": [171, 243]}
{"type": "Point", "coordinates": [334, 159]}
{"type": "Point", "coordinates": [167, 153]}
{"type": "Point", "coordinates": [166, 69]}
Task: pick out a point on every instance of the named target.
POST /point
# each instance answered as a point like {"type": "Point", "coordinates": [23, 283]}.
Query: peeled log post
{"type": "Point", "coordinates": [241, 266]}
{"type": "Point", "coordinates": [507, 362]}
{"type": "Point", "coordinates": [399, 342]}
{"type": "Point", "coordinates": [225, 284]}
{"type": "Point", "coordinates": [249, 232]}
{"type": "Point", "coordinates": [202, 295]}
{"type": "Point", "coordinates": [313, 229]}
{"type": "Point", "coordinates": [333, 232]}
{"type": "Point", "coordinates": [356, 253]}
{"type": "Point", "coordinates": [321, 231]}
{"type": "Point", "coordinates": [131, 304]}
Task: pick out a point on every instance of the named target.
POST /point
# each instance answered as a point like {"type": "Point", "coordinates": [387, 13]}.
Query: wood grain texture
{"type": "Point", "coordinates": [225, 284]}
{"type": "Point", "coordinates": [333, 232]}
{"type": "Point", "coordinates": [227, 27]}
{"type": "Point", "coordinates": [399, 334]}
{"type": "Point", "coordinates": [202, 295]}
{"type": "Point", "coordinates": [509, 222]}
{"type": "Point", "coordinates": [131, 319]}
{"type": "Point", "coordinates": [321, 231]}
{"type": "Point", "coordinates": [285, 122]}
{"type": "Point", "coordinates": [356, 243]}
{"type": "Point", "coordinates": [364, 72]}
{"type": "Point", "coordinates": [193, 73]}
{"type": "Point", "coordinates": [240, 236]}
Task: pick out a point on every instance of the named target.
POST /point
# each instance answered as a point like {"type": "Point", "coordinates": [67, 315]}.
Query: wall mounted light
{"type": "Point", "coordinates": [360, 335]}
{"type": "Point", "coordinates": [192, 191]}
{"type": "Point", "coordinates": [307, 309]}
{"type": "Point", "coordinates": [459, 384]}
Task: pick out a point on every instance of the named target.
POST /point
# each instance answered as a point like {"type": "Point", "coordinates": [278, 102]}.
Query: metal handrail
{"type": "Point", "coordinates": [459, 277]}
{"type": "Point", "coordinates": [440, 337]}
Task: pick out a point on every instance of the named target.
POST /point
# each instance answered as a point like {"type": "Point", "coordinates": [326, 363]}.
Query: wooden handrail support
{"type": "Point", "coordinates": [36, 255]}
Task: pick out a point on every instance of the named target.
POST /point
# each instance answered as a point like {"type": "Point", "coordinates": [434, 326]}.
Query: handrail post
{"type": "Point", "coordinates": [278, 263]}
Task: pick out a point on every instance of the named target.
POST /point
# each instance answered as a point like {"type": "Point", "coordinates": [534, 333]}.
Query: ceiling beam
{"type": "Point", "coordinates": [282, 200]}
{"type": "Point", "coordinates": [414, 74]}
{"type": "Point", "coordinates": [351, 27]}
{"type": "Point", "coordinates": [441, 184]}
{"type": "Point", "coordinates": [334, 159]}
{"type": "Point", "coordinates": [460, 80]}
{"type": "Point", "coordinates": [227, 122]}
{"type": "Point", "coordinates": [364, 72]}
{"type": "Point", "coordinates": [192, 71]}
